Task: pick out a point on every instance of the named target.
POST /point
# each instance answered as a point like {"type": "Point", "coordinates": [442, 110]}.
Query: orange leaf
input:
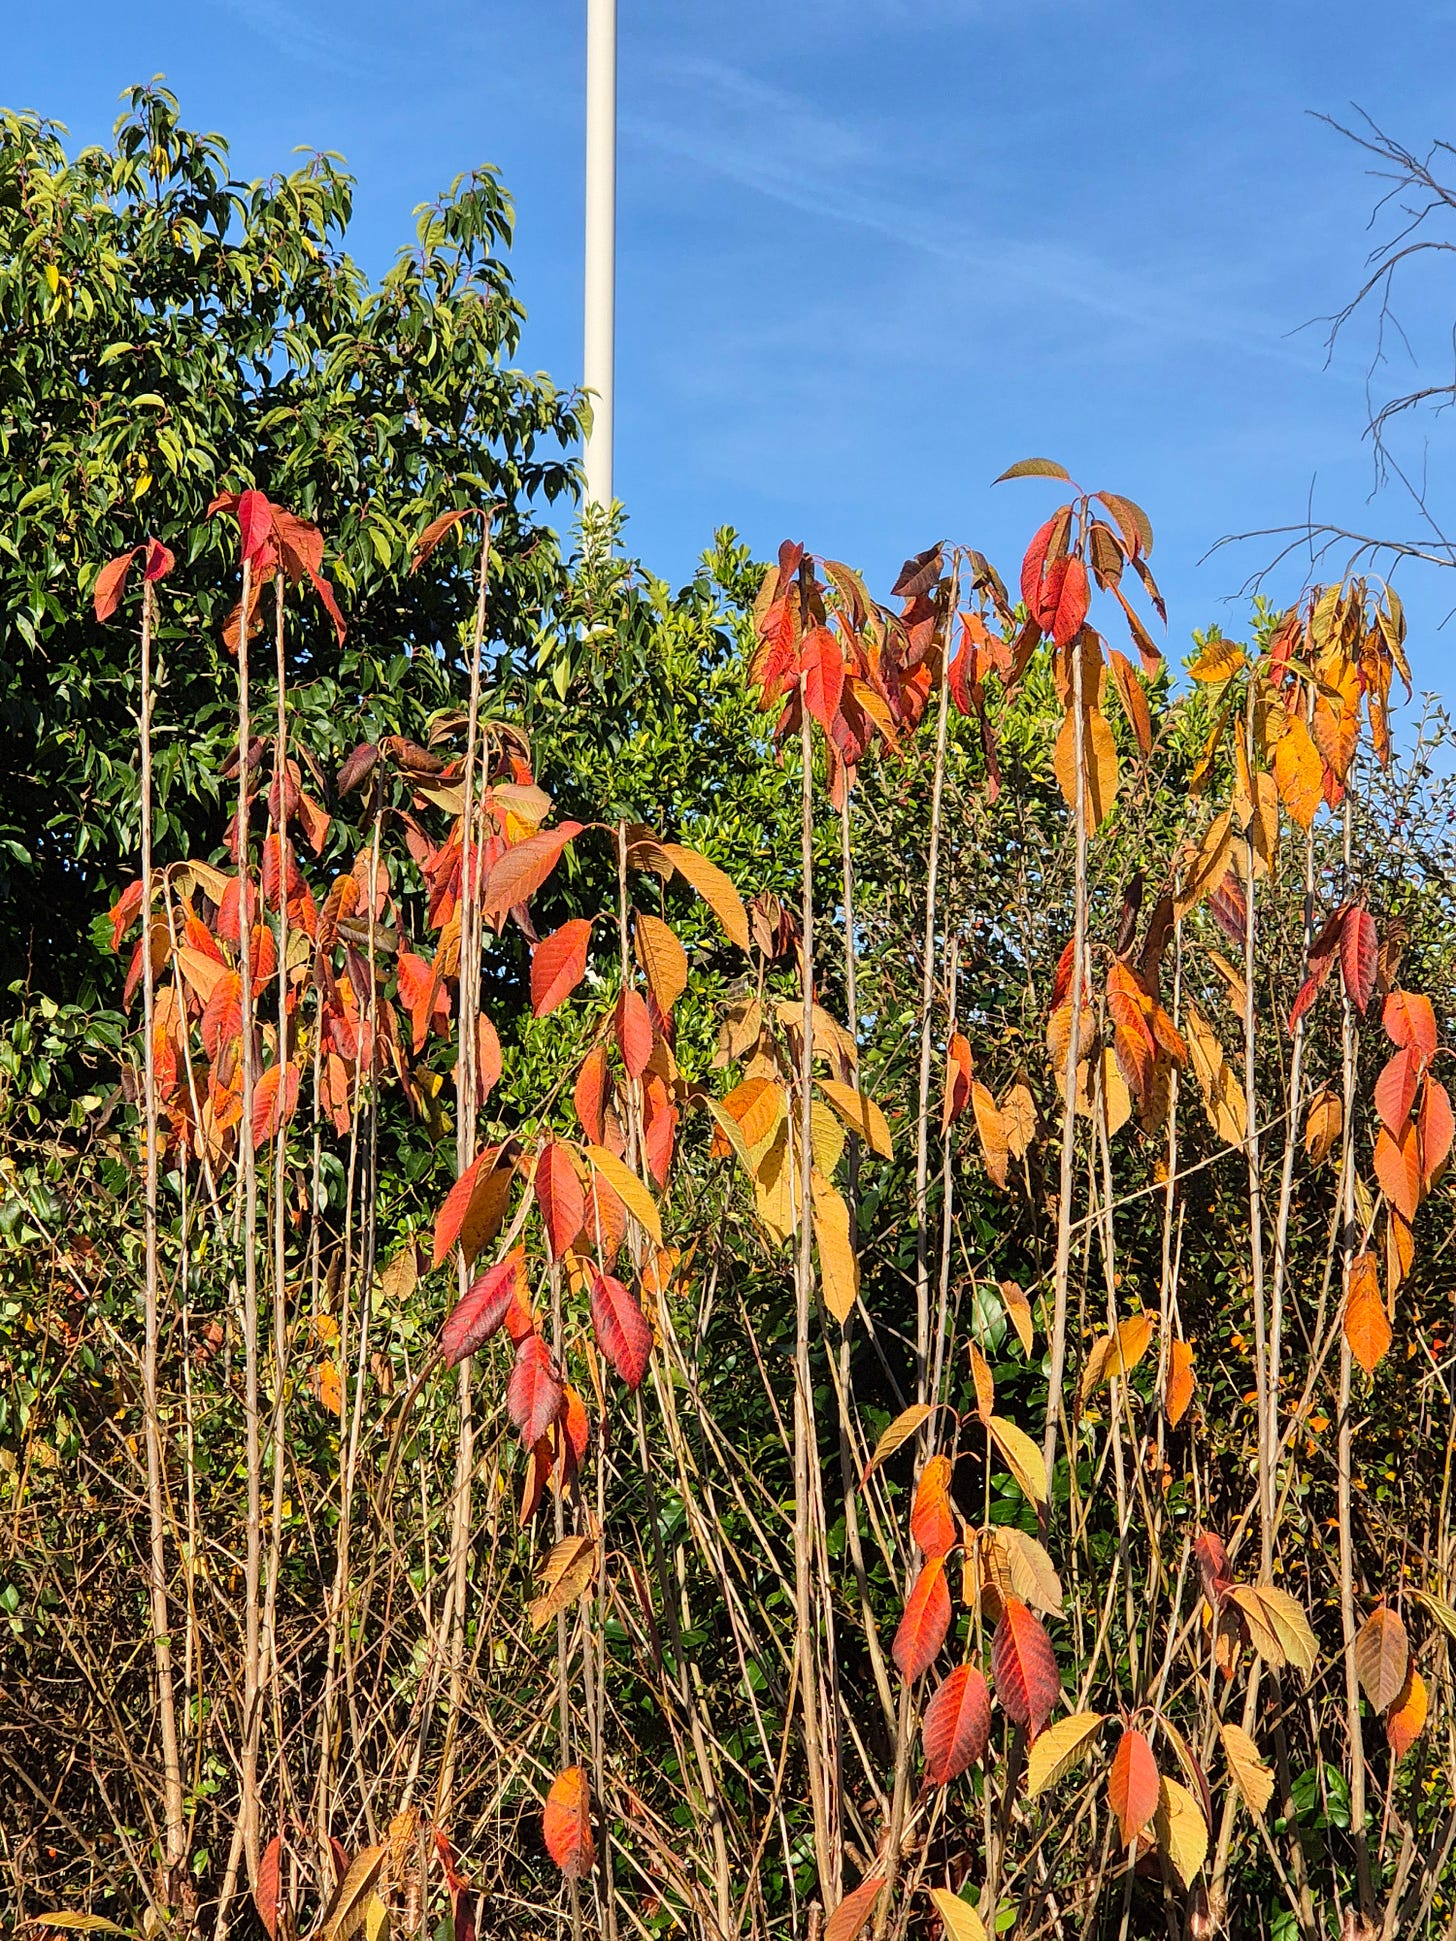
{"type": "Point", "coordinates": [1134, 701]}
{"type": "Point", "coordinates": [664, 961]}
{"type": "Point", "coordinates": [1367, 1328]}
{"type": "Point", "coordinates": [634, 1032]}
{"type": "Point", "coordinates": [925, 1622]}
{"type": "Point", "coordinates": [1178, 1391]}
{"type": "Point", "coordinates": [265, 1890]}
{"type": "Point", "coordinates": [1406, 1718]}
{"type": "Point", "coordinates": [106, 594]}
{"type": "Point", "coordinates": [566, 1823]}
{"type": "Point", "coordinates": [956, 1726]}
{"type": "Point", "coordinates": [957, 1080]}
{"type": "Point", "coordinates": [523, 869]}
{"type": "Point", "coordinates": [558, 964]}
{"type": "Point", "coordinates": [1024, 1666]}
{"type": "Point", "coordinates": [450, 1220]}
{"type": "Point", "coordinates": [1434, 1128]}
{"type": "Point", "coordinates": [1395, 1090]}
{"type": "Point", "coordinates": [589, 1094]}
{"type": "Point", "coordinates": [559, 1196]}
{"type": "Point", "coordinates": [1298, 772]}
{"type": "Point", "coordinates": [853, 1911]}
{"type": "Point", "coordinates": [932, 1522]}
{"type": "Point", "coordinates": [269, 1110]}
{"type": "Point", "coordinates": [1132, 1785]}
{"type": "Point", "coordinates": [1398, 1169]}
{"type": "Point", "coordinates": [1409, 1020]}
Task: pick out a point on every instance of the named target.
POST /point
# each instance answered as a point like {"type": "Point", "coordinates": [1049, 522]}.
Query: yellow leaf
{"type": "Point", "coordinates": [838, 1265]}
{"type": "Point", "coordinates": [568, 1571]}
{"type": "Point", "coordinates": [960, 1919]}
{"type": "Point", "coordinates": [1018, 1310]}
{"type": "Point", "coordinates": [1018, 1115]}
{"type": "Point", "coordinates": [898, 1434]}
{"type": "Point", "coordinates": [1181, 1829]}
{"type": "Point", "coordinates": [1023, 1458]}
{"type": "Point", "coordinates": [1223, 1096]}
{"type": "Point", "coordinates": [1058, 1749]}
{"type": "Point", "coordinates": [629, 1190]}
{"type": "Point", "coordinates": [827, 1137]}
{"type": "Point", "coordinates": [664, 961]}
{"type": "Point", "coordinates": [1033, 1575]}
{"type": "Point", "coordinates": [1286, 1615]}
{"type": "Point", "coordinates": [1219, 661]}
{"type": "Point", "coordinates": [1209, 864]}
{"type": "Point", "coordinates": [1247, 1769]}
{"type": "Point", "coordinates": [860, 1113]}
{"type": "Point", "coordinates": [713, 887]}
{"type": "Point", "coordinates": [1099, 756]}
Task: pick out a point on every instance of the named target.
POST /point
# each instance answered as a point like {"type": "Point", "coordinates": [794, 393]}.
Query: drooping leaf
{"type": "Point", "coordinates": [265, 1887]}
{"type": "Point", "coordinates": [345, 1915]}
{"type": "Point", "coordinates": [854, 1910]}
{"type": "Point", "coordinates": [959, 1919]}
{"type": "Point", "coordinates": [634, 1031]}
{"type": "Point", "coordinates": [1133, 1785]}
{"type": "Point", "coordinates": [1178, 1389]}
{"type": "Point", "coordinates": [623, 1331]}
{"type": "Point", "coordinates": [1058, 1749]}
{"type": "Point", "coordinates": [956, 1726]}
{"type": "Point", "coordinates": [925, 1621]}
{"type": "Point", "coordinates": [568, 1571]}
{"type": "Point", "coordinates": [1382, 1657]}
{"type": "Point", "coordinates": [523, 868]}
{"type": "Point", "coordinates": [629, 1190]}
{"type": "Point", "coordinates": [664, 961]}
{"type": "Point", "coordinates": [1434, 1128]}
{"type": "Point", "coordinates": [860, 1113]}
{"type": "Point", "coordinates": [566, 1824]}
{"type": "Point", "coordinates": [1323, 1124]}
{"type": "Point", "coordinates": [1182, 1831]}
{"type": "Point", "coordinates": [838, 1261]}
{"type": "Point", "coordinates": [1023, 1458]}
{"type": "Point", "coordinates": [483, 1307]}
{"type": "Point", "coordinates": [1406, 1719]}
{"type": "Point", "coordinates": [534, 1397]}
{"type": "Point", "coordinates": [897, 1434]}
{"type": "Point", "coordinates": [714, 887]}
{"type": "Point", "coordinates": [933, 1523]}
{"type": "Point", "coordinates": [1366, 1326]}
{"type": "Point", "coordinates": [1410, 1021]}
{"type": "Point", "coordinates": [1398, 1169]}
{"type": "Point", "coordinates": [558, 964]}
{"type": "Point", "coordinates": [1359, 956]}
{"type": "Point", "coordinates": [1253, 1778]}
{"type": "Point", "coordinates": [1024, 1666]}
{"type": "Point", "coordinates": [1298, 772]}
{"type": "Point", "coordinates": [559, 1196]}
{"type": "Point", "coordinates": [1286, 1615]}
{"type": "Point", "coordinates": [110, 581]}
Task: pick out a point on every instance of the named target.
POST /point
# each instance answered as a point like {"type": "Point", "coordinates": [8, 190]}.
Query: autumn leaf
{"type": "Point", "coordinates": [932, 1521]}
{"type": "Point", "coordinates": [622, 1329]}
{"type": "Point", "coordinates": [1406, 1719]}
{"type": "Point", "coordinates": [959, 1919]}
{"type": "Point", "coordinates": [1023, 1458]}
{"type": "Point", "coordinates": [534, 1397]}
{"type": "Point", "coordinates": [523, 868]}
{"type": "Point", "coordinates": [483, 1307]}
{"type": "Point", "coordinates": [1182, 1831]}
{"type": "Point", "coordinates": [1253, 1778]}
{"type": "Point", "coordinates": [1133, 1785]}
{"type": "Point", "coordinates": [1178, 1389]}
{"type": "Point", "coordinates": [1359, 956]}
{"type": "Point", "coordinates": [897, 1434]}
{"type": "Point", "coordinates": [956, 1726]}
{"type": "Point", "coordinates": [1298, 772]}
{"type": "Point", "coordinates": [714, 887]}
{"type": "Point", "coordinates": [1410, 1021]}
{"type": "Point", "coordinates": [925, 1621]}
{"type": "Point", "coordinates": [1024, 1666]}
{"type": "Point", "coordinates": [559, 1196]}
{"type": "Point", "coordinates": [558, 964]}
{"type": "Point", "coordinates": [1382, 1657]}
{"type": "Point", "coordinates": [568, 1571]}
{"type": "Point", "coordinates": [664, 961]}
{"type": "Point", "coordinates": [566, 1824]}
{"type": "Point", "coordinates": [1366, 1326]}
{"type": "Point", "coordinates": [1058, 1749]}
{"type": "Point", "coordinates": [634, 1031]}
{"type": "Point", "coordinates": [853, 1911]}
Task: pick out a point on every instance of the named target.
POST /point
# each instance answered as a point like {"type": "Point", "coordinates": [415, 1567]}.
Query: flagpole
{"type": "Point", "coordinates": [601, 244]}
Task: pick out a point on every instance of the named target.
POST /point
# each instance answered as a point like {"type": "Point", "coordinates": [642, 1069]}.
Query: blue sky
{"type": "Point", "coordinates": [872, 251]}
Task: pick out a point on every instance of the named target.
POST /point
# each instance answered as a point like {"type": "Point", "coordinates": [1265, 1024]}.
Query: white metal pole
{"type": "Point", "coordinates": [601, 243]}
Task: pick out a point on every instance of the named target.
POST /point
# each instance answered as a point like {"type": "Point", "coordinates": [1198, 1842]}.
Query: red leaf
{"type": "Point", "coordinates": [159, 561]}
{"type": "Point", "coordinates": [925, 1623]}
{"type": "Point", "coordinates": [481, 1309]}
{"type": "Point", "coordinates": [634, 1032]}
{"type": "Point", "coordinates": [1359, 956]}
{"type": "Point", "coordinates": [623, 1330]}
{"type": "Point", "coordinates": [956, 1726]}
{"type": "Point", "coordinates": [1034, 564]}
{"type": "Point", "coordinates": [255, 523]}
{"type": "Point", "coordinates": [1064, 600]}
{"type": "Point", "coordinates": [589, 1095]}
{"type": "Point", "coordinates": [822, 665]}
{"type": "Point", "coordinates": [1024, 1667]}
{"type": "Point", "coordinates": [1132, 1785]}
{"type": "Point", "coordinates": [106, 594]}
{"type": "Point", "coordinates": [1395, 1090]}
{"type": "Point", "coordinates": [534, 1397]}
{"type": "Point", "coordinates": [1321, 963]}
{"type": "Point", "coordinates": [524, 868]}
{"type": "Point", "coordinates": [558, 964]}
{"type": "Point", "coordinates": [265, 1890]}
{"type": "Point", "coordinates": [1435, 1129]}
{"type": "Point", "coordinates": [433, 533]}
{"type": "Point", "coordinates": [1410, 1021]}
{"type": "Point", "coordinates": [124, 912]}
{"type": "Point", "coordinates": [566, 1824]}
{"type": "Point", "coordinates": [932, 1524]}
{"type": "Point", "coordinates": [854, 1910]}
{"type": "Point", "coordinates": [559, 1196]}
